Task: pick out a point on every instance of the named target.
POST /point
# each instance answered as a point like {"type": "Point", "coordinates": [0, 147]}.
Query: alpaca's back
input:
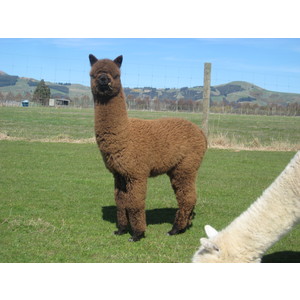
{"type": "Point", "coordinates": [164, 143]}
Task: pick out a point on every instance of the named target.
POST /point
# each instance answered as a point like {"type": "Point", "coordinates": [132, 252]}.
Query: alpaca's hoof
{"type": "Point", "coordinates": [172, 232]}
{"type": "Point", "coordinates": [136, 238]}
{"type": "Point", "coordinates": [176, 231]}
{"type": "Point", "coordinates": [120, 232]}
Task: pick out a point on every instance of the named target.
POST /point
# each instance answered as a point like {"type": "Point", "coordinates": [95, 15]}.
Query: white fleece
{"type": "Point", "coordinates": [270, 217]}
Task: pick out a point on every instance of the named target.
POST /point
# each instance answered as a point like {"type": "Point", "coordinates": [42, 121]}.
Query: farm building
{"type": "Point", "coordinates": [59, 102]}
{"type": "Point", "coordinates": [25, 103]}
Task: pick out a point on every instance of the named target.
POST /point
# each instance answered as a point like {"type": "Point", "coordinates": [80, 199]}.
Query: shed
{"type": "Point", "coordinates": [59, 102]}
{"type": "Point", "coordinates": [25, 103]}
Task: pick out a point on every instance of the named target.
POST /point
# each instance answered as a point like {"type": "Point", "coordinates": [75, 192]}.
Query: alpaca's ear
{"type": "Point", "coordinates": [208, 245]}
{"type": "Point", "coordinates": [118, 61]}
{"type": "Point", "coordinates": [210, 231]}
{"type": "Point", "coordinates": [93, 59]}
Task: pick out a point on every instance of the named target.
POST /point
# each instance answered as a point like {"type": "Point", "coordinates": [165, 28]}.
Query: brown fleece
{"type": "Point", "coordinates": [135, 149]}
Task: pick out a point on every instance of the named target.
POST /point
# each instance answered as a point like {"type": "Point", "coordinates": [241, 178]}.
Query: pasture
{"type": "Point", "coordinates": [56, 199]}
{"type": "Point", "coordinates": [76, 125]}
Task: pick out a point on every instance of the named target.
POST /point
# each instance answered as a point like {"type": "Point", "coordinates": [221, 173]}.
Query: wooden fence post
{"type": "Point", "coordinates": [206, 97]}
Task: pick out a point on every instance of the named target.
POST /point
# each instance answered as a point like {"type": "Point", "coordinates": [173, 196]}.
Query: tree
{"type": "Point", "coordinates": [41, 93]}
{"type": "Point", "coordinates": [18, 97]}
{"type": "Point", "coordinates": [10, 96]}
{"type": "Point", "coordinates": [85, 101]}
{"type": "Point", "coordinates": [129, 101]}
{"type": "Point", "coordinates": [28, 96]}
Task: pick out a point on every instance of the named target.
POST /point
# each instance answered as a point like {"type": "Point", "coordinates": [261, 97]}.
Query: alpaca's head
{"type": "Point", "coordinates": [105, 77]}
{"type": "Point", "coordinates": [209, 251]}
{"type": "Point", "coordinates": [218, 248]}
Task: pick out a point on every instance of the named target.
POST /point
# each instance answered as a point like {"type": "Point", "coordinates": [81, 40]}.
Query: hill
{"type": "Point", "coordinates": [23, 85]}
{"type": "Point", "coordinates": [236, 91]}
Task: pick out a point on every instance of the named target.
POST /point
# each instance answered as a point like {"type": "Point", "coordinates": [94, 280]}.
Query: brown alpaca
{"type": "Point", "coordinates": [134, 149]}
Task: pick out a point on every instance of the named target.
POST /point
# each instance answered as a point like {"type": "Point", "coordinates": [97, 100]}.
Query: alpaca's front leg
{"type": "Point", "coordinates": [130, 200]}
{"type": "Point", "coordinates": [135, 208]}
{"type": "Point", "coordinates": [120, 199]}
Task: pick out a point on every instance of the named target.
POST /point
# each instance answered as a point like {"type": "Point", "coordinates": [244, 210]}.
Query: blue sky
{"type": "Point", "coordinates": [271, 63]}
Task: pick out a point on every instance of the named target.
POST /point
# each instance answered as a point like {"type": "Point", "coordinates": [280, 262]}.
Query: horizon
{"type": "Point", "coordinates": [143, 87]}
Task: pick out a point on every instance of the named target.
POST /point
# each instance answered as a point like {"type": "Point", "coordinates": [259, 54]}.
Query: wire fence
{"type": "Point", "coordinates": [147, 83]}
{"type": "Point", "coordinates": [172, 75]}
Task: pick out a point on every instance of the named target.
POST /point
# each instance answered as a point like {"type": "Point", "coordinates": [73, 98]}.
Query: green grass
{"type": "Point", "coordinates": [56, 204]}
{"type": "Point", "coordinates": [46, 122]}
{"type": "Point", "coordinates": [56, 199]}
{"type": "Point", "coordinates": [34, 123]}
{"type": "Point", "coordinates": [263, 130]}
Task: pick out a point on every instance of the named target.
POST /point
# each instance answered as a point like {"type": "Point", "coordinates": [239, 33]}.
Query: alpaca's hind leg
{"type": "Point", "coordinates": [184, 186]}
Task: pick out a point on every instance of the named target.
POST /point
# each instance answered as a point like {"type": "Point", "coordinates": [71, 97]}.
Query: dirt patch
{"type": "Point", "coordinates": [216, 142]}
{"type": "Point", "coordinates": [4, 136]}
{"type": "Point", "coordinates": [58, 139]}
{"type": "Point", "coordinates": [223, 142]}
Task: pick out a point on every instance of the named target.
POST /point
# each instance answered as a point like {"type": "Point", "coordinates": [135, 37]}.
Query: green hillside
{"type": "Point", "coordinates": [22, 85]}
{"type": "Point", "coordinates": [232, 92]}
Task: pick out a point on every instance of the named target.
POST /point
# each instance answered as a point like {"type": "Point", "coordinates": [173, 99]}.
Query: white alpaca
{"type": "Point", "coordinates": [270, 217]}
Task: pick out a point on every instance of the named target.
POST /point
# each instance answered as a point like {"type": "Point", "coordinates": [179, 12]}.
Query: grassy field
{"type": "Point", "coordinates": [56, 199]}
{"type": "Point", "coordinates": [226, 131]}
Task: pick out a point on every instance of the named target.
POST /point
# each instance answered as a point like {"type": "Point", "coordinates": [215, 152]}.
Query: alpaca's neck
{"type": "Point", "coordinates": [111, 124]}
{"type": "Point", "coordinates": [270, 216]}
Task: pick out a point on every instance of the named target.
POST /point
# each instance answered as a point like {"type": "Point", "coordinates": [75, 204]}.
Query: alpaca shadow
{"type": "Point", "coordinates": [153, 216]}
{"type": "Point", "coordinates": [282, 257]}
